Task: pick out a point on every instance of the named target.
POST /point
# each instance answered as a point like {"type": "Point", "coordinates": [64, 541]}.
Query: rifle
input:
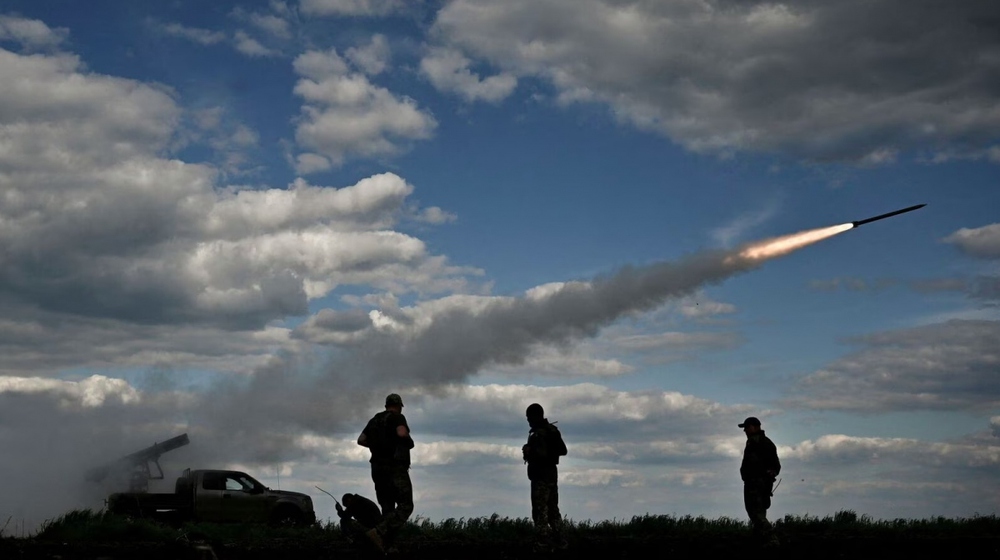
{"type": "Point", "coordinates": [328, 494]}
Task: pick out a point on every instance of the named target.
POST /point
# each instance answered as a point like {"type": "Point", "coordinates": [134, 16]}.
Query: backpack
{"type": "Point", "coordinates": [383, 441]}
{"type": "Point", "coordinates": [547, 444]}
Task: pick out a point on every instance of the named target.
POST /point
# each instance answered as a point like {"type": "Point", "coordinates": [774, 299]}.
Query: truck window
{"type": "Point", "coordinates": [249, 483]}
{"type": "Point", "coordinates": [212, 481]}
{"type": "Point", "coordinates": [234, 484]}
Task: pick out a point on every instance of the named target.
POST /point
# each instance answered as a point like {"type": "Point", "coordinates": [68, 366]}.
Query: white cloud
{"type": "Point", "coordinates": [372, 58]}
{"type": "Point", "coordinates": [86, 190]}
{"type": "Point", "coordinates": [351, 7]}
{"type": "Point", "coordinates": [195, 34]}
{"type": "Point", "coordinates": [982, 242]}
{"type": "Point", "coordinates": [435, 215]}
{"type": "Point", "coordinates": [599, 477]}
{"type": "Point", "coordinates": [443, 453]}
{"type": "Point", "coordinates": [31, 33]}
{"type": "Point", "coordinates": [274, 25]}
{"type": "Point", "coordinates": [792, 79]}
{"type": "Point", "coordinates": [564, 363]}
{"type": "Point", "coordinates": [252, 47]}
{"type": "Point", "coordinates": [60, 110]}
{"type": "Point", "coordinates": [90, 392]}
{"type": "Point", "coordinates": [347, 116]}
{"type": "Point", "coordinates": [320, 65]}
{"type": "Point", "coordinates": [448, 70]}
{"type": "Point", "coordinates": [373, 203]}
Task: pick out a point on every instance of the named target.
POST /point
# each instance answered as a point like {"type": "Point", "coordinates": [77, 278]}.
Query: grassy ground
{"type": "Point", "coordinates": [89, 535]}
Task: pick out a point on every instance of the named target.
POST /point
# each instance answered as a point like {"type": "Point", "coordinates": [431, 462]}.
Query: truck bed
{"type": "Point", "coordinates": [135, 503]}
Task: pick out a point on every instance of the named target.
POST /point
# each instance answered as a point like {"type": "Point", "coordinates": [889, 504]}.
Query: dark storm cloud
{"type": "Point", "coordinates": [856, 80]}
{"type": "Point", "coordinates": [942, 366]}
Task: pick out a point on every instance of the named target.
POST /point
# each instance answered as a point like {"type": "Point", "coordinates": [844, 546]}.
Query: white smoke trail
{"type": "Point", "coordinates": [781, 246]}
{"type": "Point", "coordinates": [435, 344]}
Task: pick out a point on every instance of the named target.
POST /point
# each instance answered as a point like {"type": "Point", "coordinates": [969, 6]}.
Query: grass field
{"type": "Point", "coordinates": [86, 534]}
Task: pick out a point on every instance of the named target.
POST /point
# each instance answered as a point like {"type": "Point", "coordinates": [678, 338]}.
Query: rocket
{"type": "Point", "coordinates": [887, 215]}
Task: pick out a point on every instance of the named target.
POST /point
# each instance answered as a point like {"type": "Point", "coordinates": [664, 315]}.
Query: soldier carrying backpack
{"type": "Point", "coordinates": [541, 453]}
{"type": "Point", "coordinates": [387, 435]}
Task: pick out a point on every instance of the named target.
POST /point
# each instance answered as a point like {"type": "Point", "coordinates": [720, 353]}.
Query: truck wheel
{"type": "Point", "coordinates": [286, 516]}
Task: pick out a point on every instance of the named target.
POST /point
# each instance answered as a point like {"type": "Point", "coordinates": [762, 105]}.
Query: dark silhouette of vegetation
{"type": "Point", "coordinates": [89, 534]}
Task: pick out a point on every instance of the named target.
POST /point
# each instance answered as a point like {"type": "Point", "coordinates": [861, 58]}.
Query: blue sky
{"type": "Point", "coordinates": [251, 221]}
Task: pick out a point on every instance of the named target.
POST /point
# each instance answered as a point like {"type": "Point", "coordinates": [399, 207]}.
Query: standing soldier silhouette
{"type": "Point", "coordinates": [387, 435]}
{"type": "Point", "coordinates": [759, 469]}
{"type": "Point", "coordinates": [541, 453]}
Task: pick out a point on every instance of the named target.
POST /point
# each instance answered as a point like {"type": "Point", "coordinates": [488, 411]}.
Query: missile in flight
{"type": "Point", "coordinates": [887, 215]}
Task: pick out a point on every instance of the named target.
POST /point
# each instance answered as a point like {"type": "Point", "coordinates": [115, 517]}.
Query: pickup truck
{"type": "Point", "coordinates": [217, 496]}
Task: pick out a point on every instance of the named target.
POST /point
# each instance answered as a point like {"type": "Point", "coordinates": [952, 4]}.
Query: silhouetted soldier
{"type": "Point", "coordinates": [541, 453]}
{"type": "Point", "coordinates": [358, 515]}
{"type": "Point", "coordinates": [388, 437]}
{"type": "Point", "coordinates": [759, 468]}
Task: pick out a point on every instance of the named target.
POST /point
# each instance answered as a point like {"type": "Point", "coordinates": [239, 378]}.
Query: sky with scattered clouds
{"type": "Point", "coordinates": [251, 221]}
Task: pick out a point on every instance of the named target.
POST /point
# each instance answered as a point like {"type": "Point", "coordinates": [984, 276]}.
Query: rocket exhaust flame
{"type": "Point", "coordinates": [780, 246]}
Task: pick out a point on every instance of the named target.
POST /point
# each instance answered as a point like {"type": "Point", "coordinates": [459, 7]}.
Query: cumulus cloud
{"type": "Point", "coordinates": [96, 223]}
{"type": "Point", "coordinates": [942, 366]}
{"type": "Point", "coordinates": [32, 34]}
{"type": "Point", "coordinates": [982, 242]}
{"type": "Point", "coordinates": [812, 80]}
{"type": "Point", "coordinates": [372, 58]}
{"type": "Point", "coordinates": [351, 7]}
{"type": "Point", "coordinates": [346, 115]}
{"type": "Point", "coordinates": [448, 70]}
